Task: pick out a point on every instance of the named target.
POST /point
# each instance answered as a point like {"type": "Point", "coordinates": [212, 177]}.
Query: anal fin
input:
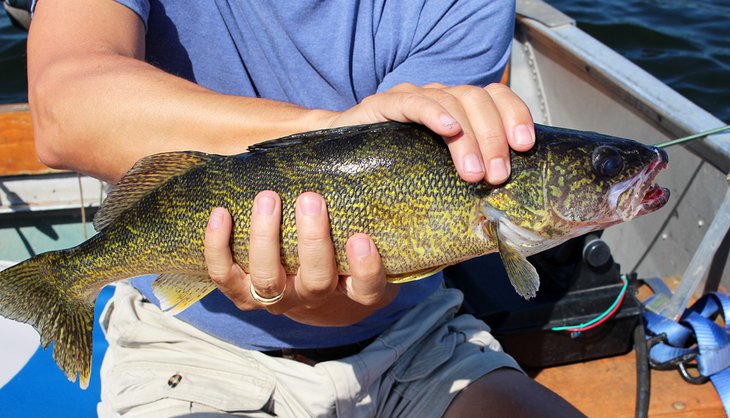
{"type": "Point", "coordinates": [521, 273]}
{"type": "Point", "coordinates": [177, 291]}
{"type": "Point", "coordinates": [411, 277]}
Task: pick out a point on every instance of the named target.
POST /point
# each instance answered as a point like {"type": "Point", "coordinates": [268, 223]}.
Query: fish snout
{"type": "Point", "coordinates": [663, 156]}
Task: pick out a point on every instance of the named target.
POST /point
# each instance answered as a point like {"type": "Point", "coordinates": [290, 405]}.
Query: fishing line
{"type": "Point", "coordinates": [692, 137]}
{"type": "Point", "coordinates": [608, 313]}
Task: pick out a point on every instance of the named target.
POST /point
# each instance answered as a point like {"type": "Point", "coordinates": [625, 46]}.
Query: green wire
{"type": "Point", "coordinates": [692, 137]}
{"type": "Point", "coordinates": [601, 316]}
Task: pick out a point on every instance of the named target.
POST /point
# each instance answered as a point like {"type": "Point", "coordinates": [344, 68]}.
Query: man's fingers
{"type": "Point", "coordinates": [401, 105]}
{"type": "Point", "coordinates": [465, 143]}
{"type": "Point", "coordinates": [435, 85]}
{"type": "Point", "coordinates": [267, 275]}
{"type": "Point", "coordinates": [317, 275]}
{"type": "Point", "coordinates": [431, 106]}
{"type": "Point", "coordinates": [516, 117]}
{"type": "Point", "coordinates": [366, 283]}
{"type": "Point", "coordinates": [228, 276]}
{"type": "Point", "coordinates": [489, 136]}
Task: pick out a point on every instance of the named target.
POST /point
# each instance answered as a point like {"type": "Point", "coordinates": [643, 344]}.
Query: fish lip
{"type": "Point", "coordinates": [654, 198]}
{"type": "Point", "coordinates": [646, 196]}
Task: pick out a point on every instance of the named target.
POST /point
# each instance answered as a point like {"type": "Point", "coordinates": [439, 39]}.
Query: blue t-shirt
{"type": "Point", "coordinates": [328, 55]}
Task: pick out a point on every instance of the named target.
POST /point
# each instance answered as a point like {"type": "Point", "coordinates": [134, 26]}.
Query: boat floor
{"type": "Point", "coordinates": [607, 388]}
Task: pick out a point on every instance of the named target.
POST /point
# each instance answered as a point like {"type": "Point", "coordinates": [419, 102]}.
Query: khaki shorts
{"type": "Point", "coordinates": [159, 366]}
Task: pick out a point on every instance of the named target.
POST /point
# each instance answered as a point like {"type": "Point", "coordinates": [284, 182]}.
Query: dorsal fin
{"type": "Point", "coordinates": [146, 175]}
{"type": "Point", "coordinates": [322, 135]}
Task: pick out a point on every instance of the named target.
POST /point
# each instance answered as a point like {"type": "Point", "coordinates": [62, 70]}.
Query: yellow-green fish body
{"type": "Point", "coordinates": [394, 182]}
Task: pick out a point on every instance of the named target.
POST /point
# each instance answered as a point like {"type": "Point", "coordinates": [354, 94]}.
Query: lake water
{"type": "Point", "coordinates": [13, 82]}
{"type": "Point", "coordinates": [685, 43]}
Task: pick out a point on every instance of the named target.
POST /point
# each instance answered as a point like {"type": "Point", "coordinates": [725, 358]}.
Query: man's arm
{"type": "Point", "coordinates": [97, 107]}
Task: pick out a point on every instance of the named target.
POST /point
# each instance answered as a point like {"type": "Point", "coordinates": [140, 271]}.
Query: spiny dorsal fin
{"type": "Point", "coordinates": [521, 273]}
{"type": "Point", "coordinates": [177, 291]}
{"type": "Point", "coordinates": [147, 174]}
{"type": "Point", "coordinates": [322, 135]}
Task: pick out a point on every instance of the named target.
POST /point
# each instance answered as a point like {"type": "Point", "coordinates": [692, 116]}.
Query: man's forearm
{"type": "Point", "coordinates": [99, 113]}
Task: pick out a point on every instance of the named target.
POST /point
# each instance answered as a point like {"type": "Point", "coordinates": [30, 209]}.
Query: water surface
{"type": "Point", "coordinates": [684, 43]}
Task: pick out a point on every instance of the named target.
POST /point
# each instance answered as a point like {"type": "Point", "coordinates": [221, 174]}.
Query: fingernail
{"type": "Point", "coordinates": [473, 164]}
{"type": "Point", "coordinates": [216, 219]}
{"type": "Point", "coordinates": [523, 135]}
{"type": "Point", "coordinates": [265, 205]}
{"type": "Point", "coordinates": [448, 121]}
{"type": "Point", "coordinates": [361, 247]}
{"type": "Point", "coordinates": [311, 205]}
{"type": "Point", "coordinates": [497, 170]}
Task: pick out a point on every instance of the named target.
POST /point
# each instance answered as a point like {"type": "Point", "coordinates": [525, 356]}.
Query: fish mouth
{"type": "Point", "coordinates": [654, 198]}
{"type": "Point", "coordinates": [643, 195]}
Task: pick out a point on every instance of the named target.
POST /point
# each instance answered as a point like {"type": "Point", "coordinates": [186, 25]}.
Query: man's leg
{"type": "Point", "coordinates": [509, 393]}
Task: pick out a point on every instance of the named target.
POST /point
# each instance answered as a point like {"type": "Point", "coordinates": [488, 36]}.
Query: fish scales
{"type": "Point", "coordinates": [394, 182]}
{"type": "Point", "coordinates": [401, 190]}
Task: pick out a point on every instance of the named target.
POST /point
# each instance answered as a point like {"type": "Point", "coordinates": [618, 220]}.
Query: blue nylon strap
{"type": "Point", "coordinates": [677, 335]}
{"type": "Point", "coordinates": [712, 303]}
{"type": "Point", "coordinates": [696, 334]}
{"type": "Point", "coordinates": [713, 342]}
{"type": "Point", "coordinates": [721, 381]}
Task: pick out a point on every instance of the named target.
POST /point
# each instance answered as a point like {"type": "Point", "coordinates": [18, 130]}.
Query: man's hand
{"type": "Point", "coordinates": [316, 295]}
{"type": "Point", "coordinates": [479, 124]}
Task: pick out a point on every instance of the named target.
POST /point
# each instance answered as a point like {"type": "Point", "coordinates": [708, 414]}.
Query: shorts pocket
{"type": "Point", "coordinates": [425, 356]}
{"type": "Point", "coordinates": [144, 383]}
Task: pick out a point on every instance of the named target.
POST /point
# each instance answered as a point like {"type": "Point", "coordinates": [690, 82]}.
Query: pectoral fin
{"type": "Point", "coordinates": [410, 277]}
{"type": "Point", "coordinates": [178, 292]}
{"type": "Point", "coordinates": [522, 274]}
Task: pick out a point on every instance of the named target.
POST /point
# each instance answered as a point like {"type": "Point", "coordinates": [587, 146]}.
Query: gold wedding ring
{"type": "Point", "coordinates": [266, 301]}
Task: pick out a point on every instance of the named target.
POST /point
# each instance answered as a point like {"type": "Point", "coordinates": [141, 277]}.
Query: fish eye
{"type": "Point", "coordinates": [607, 161]}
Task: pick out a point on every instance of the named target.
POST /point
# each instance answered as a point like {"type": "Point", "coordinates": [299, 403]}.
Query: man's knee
{"type": "Point", "coordinates": [508, 392]}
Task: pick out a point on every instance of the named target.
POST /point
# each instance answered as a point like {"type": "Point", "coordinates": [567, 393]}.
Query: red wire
{"type": "Point", "coordinates": [606, 318]}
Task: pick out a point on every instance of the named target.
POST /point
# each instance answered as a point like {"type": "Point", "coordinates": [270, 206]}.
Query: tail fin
{"type": "Point", "coordinates": [35, 293]}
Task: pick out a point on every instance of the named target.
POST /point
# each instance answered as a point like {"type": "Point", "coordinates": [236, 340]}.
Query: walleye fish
{"type": "Point", "coordinates": [395, 182]}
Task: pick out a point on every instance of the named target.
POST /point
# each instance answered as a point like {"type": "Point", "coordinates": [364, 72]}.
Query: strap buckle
{"type": "Point", "coordinates": [683, 363]}
{"type": "Point", "coordinates": [671, 363]}
{"type": "Point", "coordinates": [684, 372]}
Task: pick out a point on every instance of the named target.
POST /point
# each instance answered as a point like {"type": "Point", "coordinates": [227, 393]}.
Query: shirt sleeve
{"type": "Point", "coordinates": [140, 7]}
{"type": "Point", "coordinates": [455, 42]}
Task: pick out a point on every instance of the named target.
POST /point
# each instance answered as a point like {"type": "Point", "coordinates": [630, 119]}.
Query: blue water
{"type": "Point", "coordinates": [685, 43]}
{"type": "Point", "coordinates": [13, 81]}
